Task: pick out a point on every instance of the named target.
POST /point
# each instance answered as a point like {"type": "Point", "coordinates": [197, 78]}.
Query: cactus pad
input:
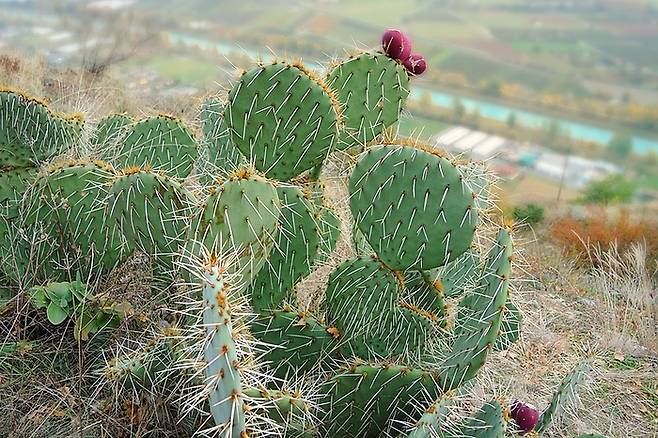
{"type": "Point", "coordinates": [412, 207]}
{"type": "Point", "coordinates": [220, 156]}
{"type": "Point", "coordinates": [161, 142]}
{"type": "Point", "coordinates": [372, 89]}
{"type": "Point", "coordinates": [241, 215]}
{"type": "Point", "coordinates": [457, 276]}
{"type": "Point", "coordinates": [431, 423]}
{"type": "Point", "coordinates": [363, 303]}
{"type": "Point", "coordinates": [301, 343]}
{"type": "Point", "coordinates": [146, 211]}
{"type": "Point", "coordinates": [111, 129]}
{"type": "Point", "coordinates": [329, 224]}
{"type": "Point", "coordinates": [510, 329]}
{"type": "Point", "coordinates": [480, 317]}
{"type": "Point", "coordinates": [293, 254]}
{"type": "Point", "coordinates": [488, 422]}
{"type": "Point", "coordinates": [564, 396]}
{"type": "Point", "coordinates": [364, 400]}
{"type": "Point", "coordinates": [30, 132]}
{"type": "Point", "coordinates": [222, 370]}
{"type": "Point", "coordinates": [424, 295]}
{"type": "Point", "coordinates": [282, 119]}
{"type": "Point", "coordinates": [63, 220]}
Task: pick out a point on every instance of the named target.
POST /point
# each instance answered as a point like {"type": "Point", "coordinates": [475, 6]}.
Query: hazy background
{"type": "Point", "coordinates": [526, 83]}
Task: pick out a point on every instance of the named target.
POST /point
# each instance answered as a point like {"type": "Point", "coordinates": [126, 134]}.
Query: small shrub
{"type": "Point", "coordinates": [612, 189]}
{"type": "Point", "coordinates": [530, 214]}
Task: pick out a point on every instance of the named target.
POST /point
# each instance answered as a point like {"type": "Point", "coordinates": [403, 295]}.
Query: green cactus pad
{"type": "Point", "coordinates": [300, 343]}
{"type": "Point", "coordinates": [282, 119]}
{"type": "Point", "coordinates": [241, 215]}
{"type": "Point", "coordinates": [329, 223]}
{"type": "Point", "coordinates": [372, 89]}
{"type": "Point", "coordinates": [412, 207]}
{"type": "Point", "coordinates": [147, 211]}
{"type": "Point", "coordinates": [359, 291]}
{"type": "Point", "coordinates": [161, 142]}
{"type": "Point", "coordinates": [139, 369]}
{"type": "Point", "coordinates": [219, 155]}
{"type": "Point", "coordinates": [431, 424]}
{"type": "Point", "coordinates": [30, 132]}
{"type": "Point", "coordinates": [81, 188]}
{"type": "Point", "coordinates": [285, 407]}
{"type": "Point", "coordinates": [111, 129]}
{"type": "Point", "coordinates": [510, 329]}
{"type": "Point", "coordinates": [564, 396]}
{"type": "Point", "coordinates": [292, 256]}
{"type": "Point", "coordinates": [479, 317]}
{"type": "Point", "coordinates": [13, 184]}
{"type": "Point", "coordinates": [457, 276]}
{"type": "Point", "coordinates": [365, 400]}
{"type": "Point", "coordinates": [64, 208]}
{"type": "Point", "coordinates": [424, 295]}
{"type": "Point", "coordinates": [488, 422]}
{"type": "Point", "coordinates": [363, 300]}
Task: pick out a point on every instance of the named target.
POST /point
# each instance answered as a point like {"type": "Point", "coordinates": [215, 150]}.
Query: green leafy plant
{"type": "Point", "coordinates": [530, 214]}
{"type": "Point", "coordinates": [64, 300]}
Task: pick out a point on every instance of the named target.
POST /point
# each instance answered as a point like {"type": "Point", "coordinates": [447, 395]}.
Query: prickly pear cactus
{"type": "Point", "coordinates": [488, 422]}
{"type": "Point", "coordinates": [162, 143]}
{"type": "Point", "coordinates": [388, 390]}
{"type": "Point", "coordinates": [564, 396]}
{"type": "Point", "coordinates": [283, 119]}
{"type": "Point", "coordinates": [399, 319]}
{"type": "Point", "coordinates": [372, 89]}
{"type": "Point", "coordinates": [480, 317]}
{"type": "Point", "coordinates": [412, 207]}
{"type": "Point", "coordinates": [241, 215]}
{"type": "Point", "coordinates": [111, 129]}
{"type": "Point", "coordinates": [30, 132]}
{"type": "Point", "coordinates": [222, 371]}
{"type": "Point", "coordinates": [218, 157]}
{"type": "Point", "coordinates": [293, 254]}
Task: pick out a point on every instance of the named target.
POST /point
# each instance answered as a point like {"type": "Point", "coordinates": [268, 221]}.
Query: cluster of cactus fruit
{"type": "Point", "coordinates": [403, 325]}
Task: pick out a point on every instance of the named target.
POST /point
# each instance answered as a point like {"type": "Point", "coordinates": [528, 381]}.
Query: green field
{"type": "Point", "coordinates": [420, 127]}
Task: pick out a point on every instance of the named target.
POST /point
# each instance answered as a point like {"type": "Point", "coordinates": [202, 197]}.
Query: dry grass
{"type": "Point", "coordinates": [588, 238]}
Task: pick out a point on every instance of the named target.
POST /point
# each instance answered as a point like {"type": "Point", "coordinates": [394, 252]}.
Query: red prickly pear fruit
{"type": "Point", "coordinates": [415, 64]}
{"type": "Point", "coordinates": [525, 415]}
{"type": "Point", "coordinates": [396, 44]}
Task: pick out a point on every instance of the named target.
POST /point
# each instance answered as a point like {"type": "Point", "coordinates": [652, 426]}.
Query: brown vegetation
{"type": "Point", "coordinates": [585, 238]}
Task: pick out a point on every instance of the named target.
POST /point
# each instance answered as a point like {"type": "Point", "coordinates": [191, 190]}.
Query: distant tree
{"type": "Point", "coordinates": [612, 189]}
{"type": "Point", "coordinates": [511, 120]}
{"type": "Point", "coordinates": [621, 145]}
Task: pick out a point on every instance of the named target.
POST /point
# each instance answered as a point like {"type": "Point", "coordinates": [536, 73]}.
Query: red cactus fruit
{"type": "Point", "coordinates": [415, 64]}
{"type": "Point", "coordinates": [525, 415]}
{"type": "Point", "coordinates": [396, 44]}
